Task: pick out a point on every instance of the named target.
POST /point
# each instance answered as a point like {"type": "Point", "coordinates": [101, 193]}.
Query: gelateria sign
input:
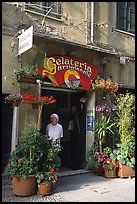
{"type": "Point", "coordinates": [69, 70]}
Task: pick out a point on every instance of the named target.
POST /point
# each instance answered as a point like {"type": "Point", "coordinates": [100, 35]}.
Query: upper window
{"type": "Point", "coordinates": [52, 9]}
{"type": "Point", "coordinates": [126, 16]}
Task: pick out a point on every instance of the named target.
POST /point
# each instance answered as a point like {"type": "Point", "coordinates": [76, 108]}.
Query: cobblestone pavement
{"type": "Point", "coordinates": [7, 196]}
{"type": "Point", "coordinates": [80, 188]}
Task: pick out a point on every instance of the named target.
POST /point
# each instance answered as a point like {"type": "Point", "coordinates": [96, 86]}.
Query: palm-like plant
{"type": "Point", "coordinates": [103, 126]}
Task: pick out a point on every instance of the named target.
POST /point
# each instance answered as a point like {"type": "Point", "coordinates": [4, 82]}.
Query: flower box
{"type": "Point", "coordinates": [31, 80]}
{"type": "Point", "coordinates": [110, 174]}
{"type": "Point", "coordinates": [16, 103]}
{"type": "Point", "coordinates": [125, 171]}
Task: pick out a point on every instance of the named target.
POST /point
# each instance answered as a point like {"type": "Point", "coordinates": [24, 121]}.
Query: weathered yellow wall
{"type": "Point", "coordinates": [9, 64]}
{"type": "Point", "coordinates": [105, 12]}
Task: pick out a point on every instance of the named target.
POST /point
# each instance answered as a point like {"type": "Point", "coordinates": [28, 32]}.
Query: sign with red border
{"type": "Point", "coordinates": [69, 70]}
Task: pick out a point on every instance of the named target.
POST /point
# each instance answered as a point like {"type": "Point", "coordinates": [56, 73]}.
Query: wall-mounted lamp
{"type": "Point", "coordinates": [122, 60]}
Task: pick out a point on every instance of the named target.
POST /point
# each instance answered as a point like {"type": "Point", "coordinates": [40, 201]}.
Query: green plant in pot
{"type": "Point", "coordinates": [25, 71]}
{"type": "Point", "coordinates": [25, 161]}
{"type": "Point", "coordinates": [45, 179]}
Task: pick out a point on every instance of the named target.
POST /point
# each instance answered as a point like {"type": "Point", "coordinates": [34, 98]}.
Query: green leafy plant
{"type": "Point", "coordinates": [30, 153]}
{"type": "Point", "coordinates": [107, 151]}
{"type": "Point", "coordinates": [91, 162]}
{"type": "Point", "coordinates": [103, 126]}
{"type": "Point", "coordinates": [125, 117]}
{"type": "Point", "coordinates": [44, 177]}
{"type": "Point", "coordinates": [124, 154]}
{"type": "Point", "coordinates": [25, 71]}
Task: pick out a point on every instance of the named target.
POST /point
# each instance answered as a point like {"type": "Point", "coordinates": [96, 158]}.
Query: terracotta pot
{"type": "Point", "coordinates": [31, 80]}
{"type": "Point", "coordinates": [44, 188]}
{"type": "Point", "coordinates": [99, 171]}
{"type": "Point", "coordinates": [125, 171]}
{"type": "Point", "coordinates": [35, 106]}
{"type": "Point", "coordinates": [24, 187]}
{"type": "Point", "coordinates": [110, 174]}
{"type": "Point", "coordinates": [16, 103]}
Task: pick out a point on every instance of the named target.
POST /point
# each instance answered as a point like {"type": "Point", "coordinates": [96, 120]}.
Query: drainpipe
{"type": "Point", "coordinates": [92, 23]}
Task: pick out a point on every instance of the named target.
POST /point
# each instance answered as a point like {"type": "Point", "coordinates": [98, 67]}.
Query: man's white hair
{"type": "Point", "coordinates": [54, 115]}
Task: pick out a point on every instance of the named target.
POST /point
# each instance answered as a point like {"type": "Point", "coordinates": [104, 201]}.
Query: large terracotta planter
{"type": "Point", "coordinates": [125, 171]}
{"type": "Point", "coordinates": [44, 188]}
{"type": "Point", "coordinates": [110, 174]}
{"type": "Point", "coordinates": [31, 80]}
{"type": "Point", "coordinates": [24, 187]}
{"type": "Point", "coordinates": [16, 103]}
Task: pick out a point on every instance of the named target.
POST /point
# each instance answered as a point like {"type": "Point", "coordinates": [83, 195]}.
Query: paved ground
{"type": "Point", "coordinates": [82, 188]}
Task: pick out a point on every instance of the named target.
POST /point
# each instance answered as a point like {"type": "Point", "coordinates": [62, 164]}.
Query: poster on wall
{"type": "Point", "coordinates": [90, 120]}
{"type": "Point", "coordinates": [69, 70]}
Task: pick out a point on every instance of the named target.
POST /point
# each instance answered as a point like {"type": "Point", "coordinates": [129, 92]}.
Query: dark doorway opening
{"type": "Point", "coordinates": [73, 142]}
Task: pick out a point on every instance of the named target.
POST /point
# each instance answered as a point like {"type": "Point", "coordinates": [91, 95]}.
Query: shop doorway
{"type": "Point", "coordinates": [74, 140]}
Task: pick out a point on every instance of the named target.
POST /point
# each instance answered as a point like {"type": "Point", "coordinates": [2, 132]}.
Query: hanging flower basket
{"type": "Point", "coordinates": [16, 103]}
{"type": "Point", "coordinates": [14, 99]}
{"type": "Point", "coordinates": [103, 85]}
{"type": "Point", "coordinates": [35, 106]}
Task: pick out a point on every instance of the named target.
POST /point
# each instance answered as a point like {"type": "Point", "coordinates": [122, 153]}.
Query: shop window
{"type": "Point", "coordinates": [52, 9]}
{"type": "Point", "coordinates": [126, 16]}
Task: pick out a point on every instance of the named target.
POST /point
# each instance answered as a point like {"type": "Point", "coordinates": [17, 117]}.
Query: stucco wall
{"type": "Point", "coordinates": [10, 62]}
{"type": "Point", "coordinates": [105, 12]}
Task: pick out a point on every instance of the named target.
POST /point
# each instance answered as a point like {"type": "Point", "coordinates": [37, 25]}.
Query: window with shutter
{"type": "Point", "coordinates": [126, 16]}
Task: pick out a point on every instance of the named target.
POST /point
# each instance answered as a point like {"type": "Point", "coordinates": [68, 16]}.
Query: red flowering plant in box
{"type": "Point", "coordinates": [28, 98]}
{"type": "Point", "coordinates": [109, 164]}
{"type": "Point", "coordinates": [46, 100]}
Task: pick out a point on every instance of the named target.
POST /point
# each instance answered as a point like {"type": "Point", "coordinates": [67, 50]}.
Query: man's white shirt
{"type": "Point", "coordinates": [54, 132]}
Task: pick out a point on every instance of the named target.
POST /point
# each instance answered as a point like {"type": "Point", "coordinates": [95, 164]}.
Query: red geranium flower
{"type": "Point", "coordinates": [51, 169]}
{"type": "Point", "coordinates": [56, 177]}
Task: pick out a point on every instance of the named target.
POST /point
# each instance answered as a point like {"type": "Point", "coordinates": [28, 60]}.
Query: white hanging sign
{"type": "Point", "coordinates": [25, 40]}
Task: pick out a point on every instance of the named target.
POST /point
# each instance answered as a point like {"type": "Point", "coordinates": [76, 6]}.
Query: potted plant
{"type": "Point", "coordinates": [14, 99]}
{"type": "Point", "coordinates": [45, 179]}
{"type": "Point", "coordinates": [110, 166]}
{"type": "Point", "coordinates": [25, 161]}
{"type": "Point", "coordinates": [126, 160]}
{"type": "Point", "coordinates": [26, 74]}
{"type": "Point", "coordinates": [126, 129]}
{"type": "Point", "coordinates": [99, 158]}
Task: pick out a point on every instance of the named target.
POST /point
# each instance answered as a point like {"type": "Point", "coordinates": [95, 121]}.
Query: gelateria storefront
{"type": "Point", "coordinates": [74, 76]}
{"type": "Point", "coordinates": [68, 80]}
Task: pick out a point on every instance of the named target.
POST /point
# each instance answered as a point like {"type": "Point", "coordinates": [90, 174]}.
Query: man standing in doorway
{"type": "Point", "coordinates": [54, 129]}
